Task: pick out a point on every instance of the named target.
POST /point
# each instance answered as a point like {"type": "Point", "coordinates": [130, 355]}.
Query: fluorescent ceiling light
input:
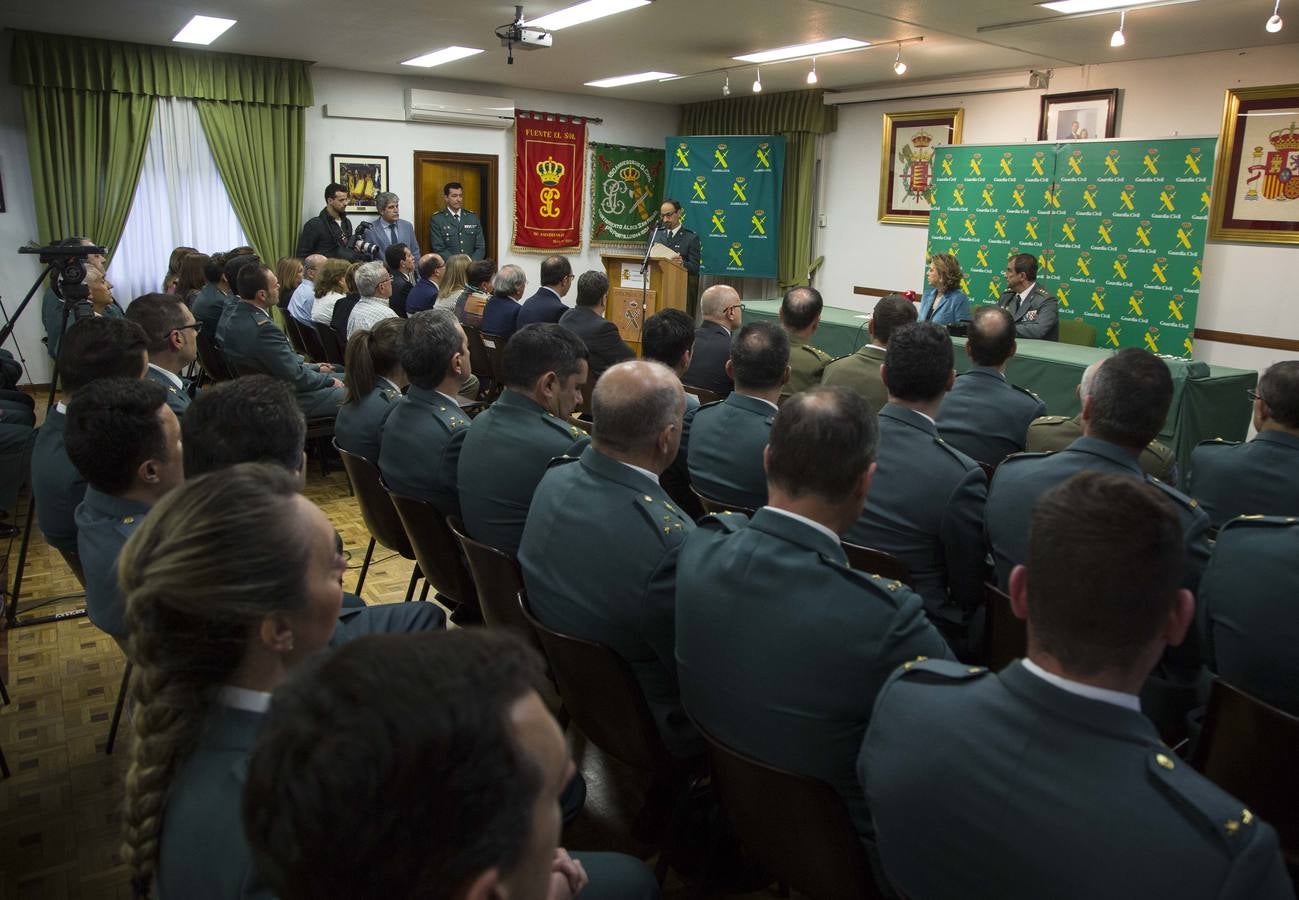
{"type": "Point", "coordinates": [620, 80]}
{"type": "Point", "coordinates": [820, 48]}
{"type": "Point", "coordinates": [1083, 6]}
{"type": "Point", "coordinates": [202, 30]}
{"type": "Point", "coordinates": [584, 12]}
{"type": "Point", "coordinates": [438, 57]}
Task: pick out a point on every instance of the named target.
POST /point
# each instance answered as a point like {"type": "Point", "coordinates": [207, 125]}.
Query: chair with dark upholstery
{"type": "Point", "coordinates": [211, 358]}
{"type": "Point", "coordinates": [877, 562]}
{"type": "Point", "coordinates": [294, 333]}
{"type": "Point", "coordinates": [380, 516]}
{"type": "Point", "coordinates": [704, 395]}
{"type": "Point", "coordinates": [498, 581]}
{"type": "Point", "coordinates": [330, 343]}
{"type": "Point", "coordinates": [439, 556]}
{"type": "Point", "coordinates": [494, 344]}
{"type": "Point", "coordinates": [480, 360]}
{"type": "Point", "coordinates": [1005, 635]}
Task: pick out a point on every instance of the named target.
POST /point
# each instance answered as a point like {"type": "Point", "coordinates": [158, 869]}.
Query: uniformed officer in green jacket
{"type": "Point", "coordinates": [781, 645]}
{"type": "Point", "coordinates": [375, 380]}
{"type": "Point", "coordinates": [173, 343]}
{"type": "Point", "coordinates": [1046, 778]}
{"type": "Point", "coordinates": [726, 439]}
{"type": "Point", "coordinates": [1259, 477]}
{"type": "Point", "coordinates": [454, 229]}
{"type": "Point", "coordinates": [599, 550]}
{"type": "Point", "coordinates": [248, 336]}
{"type": "Point", "coordinates": [513, 441]}
{"type": "Point", "coordinates": [1051, 433]}
{"type": "Point", "coordinates": [800, 314]}
{"type": "Point", "coordinates": [860, 371]}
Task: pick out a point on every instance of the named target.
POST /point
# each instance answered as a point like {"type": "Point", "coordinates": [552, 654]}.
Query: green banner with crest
{"type": "Point", "coordinates": [626, 189]}
{"type": "Point", "coordinates": [1118, 228]}
{"type": "Point", "coordinates": [729, 191]}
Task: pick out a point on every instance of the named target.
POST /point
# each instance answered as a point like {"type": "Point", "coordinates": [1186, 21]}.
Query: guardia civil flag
{"type": "Point", "coordinates": [626, 189]}
{"type": "Point", "coordinates": [729, 189]}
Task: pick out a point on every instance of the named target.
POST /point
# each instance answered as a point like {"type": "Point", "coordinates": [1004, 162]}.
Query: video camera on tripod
{"type": "Point", "coordinates": [69, 262]}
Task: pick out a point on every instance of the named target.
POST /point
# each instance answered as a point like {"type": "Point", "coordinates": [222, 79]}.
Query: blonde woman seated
{"type": "Point", "coordinates": [331, 286]}
{"type": "Point", "coordinates": [944, 303]}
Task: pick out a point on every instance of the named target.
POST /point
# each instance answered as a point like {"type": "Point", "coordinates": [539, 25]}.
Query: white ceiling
{"type": "Point", "coordinates": [679, 36]}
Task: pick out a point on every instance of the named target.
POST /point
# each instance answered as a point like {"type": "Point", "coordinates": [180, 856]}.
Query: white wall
{"type": "Point", "coordinates": [1248, 288]}
{"type": "Point", "coordinates": [640, 124]}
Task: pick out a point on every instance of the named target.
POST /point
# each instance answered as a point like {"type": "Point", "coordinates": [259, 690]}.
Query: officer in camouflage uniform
{"type": "Point", "coordinates": [800, 314]}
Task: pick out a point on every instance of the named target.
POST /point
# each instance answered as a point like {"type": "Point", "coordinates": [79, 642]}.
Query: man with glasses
{"type": "Point", "coordinates": [685, 242]}
{"type": "Point", "coordinates": [374, 284]}
{"type": "Point", "coordinates": [723, 312]}
{"type": "Point", "coordinates": [172, 334]}
{"type": "Point", "coordinates": [425, 292]}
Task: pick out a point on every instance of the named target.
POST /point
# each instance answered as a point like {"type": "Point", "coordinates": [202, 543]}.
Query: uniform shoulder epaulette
{"type": "Point", "coordinates": [728, 522]}
{"type": "Point", "coordinates": [450, 415]}
{"type": "Point", "coordinates": [1023, 455]}
{"type": "Point", "coordinates": [820, 354]}
{"type": "Point", "coordinates": [711, 403]}
{"type": "Point", "coordinates": [1173, 493]}
{"type": "Point", "coordinates": [560, 461]}
{"type": "Point", "coordinates": [1226, 817]}
{"type": "Point", "coordinates": [663, 516]}
{"type": "Point", "coordinates": [126, 525]}
{"type": "Point", "coordinates": [966, 461]}
{"type": "Point", "coordinates": [1163, 451]}
{"type": "Point", "coordinates": [922, 667]}
{"type": "Point", "coordinates": [1049, 420]}
{"type": "Point", "coordinates": [1024, 390]}
{"type": "Point", "coordinates": [889, 588]}
{"type": "Point", "coordinates": [1260, 521]}
{"type": "Point", "coordinates": [567, 429]}
{"type": "Point", "coordinates": [1218, 442]}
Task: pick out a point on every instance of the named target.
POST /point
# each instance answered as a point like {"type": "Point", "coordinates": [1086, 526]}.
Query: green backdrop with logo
{"type": "Point", "coordinates": [729, 190]}
{"type": "Point", "coordinates": [1118, 228]}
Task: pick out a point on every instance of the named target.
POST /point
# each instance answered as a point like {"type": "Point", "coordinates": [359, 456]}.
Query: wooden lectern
{"type": "Point", "coordinates": [631, 301]}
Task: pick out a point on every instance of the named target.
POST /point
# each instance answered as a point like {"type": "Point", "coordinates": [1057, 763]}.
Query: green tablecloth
{"type": "Point", "coordinates": [1208, 401]}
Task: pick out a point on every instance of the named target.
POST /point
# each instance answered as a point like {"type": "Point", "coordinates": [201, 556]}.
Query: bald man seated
{"type": "Point", "coordinates": [722, 313]}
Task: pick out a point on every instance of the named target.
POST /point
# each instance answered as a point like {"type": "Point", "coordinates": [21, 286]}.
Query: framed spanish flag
{"type": "Point", "coordinates": [1256, 182]}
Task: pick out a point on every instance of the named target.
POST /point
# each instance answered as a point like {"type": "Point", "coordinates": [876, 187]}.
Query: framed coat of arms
{"type": "Point", "coordinates": [906, 161]}
{"type": "Point", "coordinates": [1256, 178]}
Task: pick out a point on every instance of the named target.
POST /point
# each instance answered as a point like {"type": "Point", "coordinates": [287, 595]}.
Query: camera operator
{"type": "Point", "coordinates": [330, 233]}
{"type": "Point", "coordinates": [52, 301]}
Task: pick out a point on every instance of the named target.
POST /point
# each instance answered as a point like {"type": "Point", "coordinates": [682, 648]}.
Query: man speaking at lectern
{"type": "Point", "coordinates": [1033, 308]}
{"type": "Point", "coordinates": [686, 244]}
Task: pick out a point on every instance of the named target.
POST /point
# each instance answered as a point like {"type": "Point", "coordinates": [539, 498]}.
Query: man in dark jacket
{"type": "Point", "coordinates": [587, 321]}
{"type": "Point", "coordinates": [330, 233]}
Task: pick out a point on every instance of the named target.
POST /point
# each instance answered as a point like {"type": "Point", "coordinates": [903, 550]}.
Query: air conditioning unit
{"type": "Point", "coordinates": [458, 109]}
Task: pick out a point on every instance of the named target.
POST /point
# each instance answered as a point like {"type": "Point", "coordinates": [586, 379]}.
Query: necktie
{"type": "Point", "coordinates": [392, 230]}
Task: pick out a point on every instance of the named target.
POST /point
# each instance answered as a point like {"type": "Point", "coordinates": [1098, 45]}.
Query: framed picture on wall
{"type": "Point", "coordinates": [1256, 177]}
{"type": "Point", "coordinates": [1078, 116]}
{"type": "Point", "coordinates": [906, 161]}
{"type": "Point", "coordinates": [363, 176]}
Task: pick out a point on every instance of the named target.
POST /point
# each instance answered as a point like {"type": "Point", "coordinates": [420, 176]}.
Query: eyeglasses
{"type": "Point", "coordinates": [1253, 395]}
{"type": "Point", "coordinates": [197, 326]}
{"type": "Point", "coordinates": [739, 306]}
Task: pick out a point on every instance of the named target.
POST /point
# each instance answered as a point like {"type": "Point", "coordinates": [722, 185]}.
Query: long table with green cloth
{"type": "Point", "coordinates": [1208, 401]}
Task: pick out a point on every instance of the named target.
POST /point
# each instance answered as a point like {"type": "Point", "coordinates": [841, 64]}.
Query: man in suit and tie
{"type": "Point", "coordinates": [172, 333]}
{"type": "Point", "coordinates": [603, 340]}
{"type": "Point", "coordinates": [425, 292]}
{"type": "Point", "coordinates": [390, 228]}
{"type": "Point", "coordinates": [1034, 309]}
{"type": "Point", "coordinates": [723, 313]}
{"type": "Point", "coordinates": [454, 229]}
{"type": "Point", "coordinates": [1054, 751]}
{"type": "Point", "coordinates": [546, 304]}
{"type": "Point", "coordinates": [860, 371]}
{"type": "Point", "coordinates": [686, 244]}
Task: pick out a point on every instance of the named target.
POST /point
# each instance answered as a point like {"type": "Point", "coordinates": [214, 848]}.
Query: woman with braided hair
{"type": "Point", "coordinates": [231, 581]}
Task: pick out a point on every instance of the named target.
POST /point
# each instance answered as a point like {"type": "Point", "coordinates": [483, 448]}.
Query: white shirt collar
{"type": "Point", "coordinates": [448, 398]}
{"type": "Point", "coordinates": [877, 346]}
{"type": "Point", "coordinates": [673, 232]}
{"type": "Point", "coordinates": [392, 384]}
{"type": "Point", "coordinates": [761, 400]}
{"type": "Point", "coordinates": [1091, 692]}
{"type": "Point", "coordinates": [1023, 295]}
{"type": "Point", "coordinates": [811, 523]}
{"type": "Point", "coordinates": [545, 287]}
{"type": "Point", "coordinates": [926, 415]}
{"type": "Point", "coordinates": [243, 698]}
{"type": "Point", "coordinates": [646, 472]}
{"type": "Point", "coordinates": [61, 407]}
{"type": "Point", "coordinates": [171, 376]}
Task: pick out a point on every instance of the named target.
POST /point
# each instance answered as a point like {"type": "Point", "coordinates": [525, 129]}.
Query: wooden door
{"type": "Point", "coordinates": [478, 174]}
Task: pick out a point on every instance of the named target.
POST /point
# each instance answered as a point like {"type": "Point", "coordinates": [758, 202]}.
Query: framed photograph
{"type": "Point", "coordinates": [906, 161]}
{"type": "Point", "coordinates": [363, 176]}
{"type": "Point", "coordinates": [1078, 116]}
{"type": "Point", "coordinates": [1256, 177]}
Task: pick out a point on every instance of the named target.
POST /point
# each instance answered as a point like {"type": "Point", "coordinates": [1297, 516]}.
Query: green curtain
{"type": "Point", "coordinates": [800, 117]}
{"type": "Point", "coordinates": [259, 152]}
{"type": "Point", "coordinates": [85, 151]}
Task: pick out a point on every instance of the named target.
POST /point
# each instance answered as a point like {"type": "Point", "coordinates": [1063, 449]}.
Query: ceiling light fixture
{"type": "Point", "coordinates": [757, 81]}
{"type": "Point", "coordinates": [899, 67]}
{"type": "Point", "coordinates": [819, 48]}
{"type": "Point", "coordinates": [202, 30]}
{"type": "Point", "coordinates": [439, 57]}
{"type": "Point", "coordinates": [1086, 6]}
{"type": "Point", "coordinates": [811, 76]}
{"type": "Point", "coordinates": [584, 12]}
{"type": "Point", "coordinates": [1275, 23]}
{"type": "Point", "coordinates": [726, 85]}
{"type": "Point", "coordinates": [620, 80]}
{"type": "Point", "coordinates": [1117, 39]}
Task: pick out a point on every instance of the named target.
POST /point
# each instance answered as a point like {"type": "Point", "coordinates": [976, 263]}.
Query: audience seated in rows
{"type": "Point", "coordinates": [400, 263]}
{"type": "Point", "coordinates": [586, 320]}
{"type": "Point", "coordinates": [453, 280]}
{"type": "Point", "coordinates": [331, 286]}
{"type": "Point", "coordinates": [984, 415]}
{"type": "Point", "coordinates": [212, 313]}
{"type": "Point", "coordinates": [668, 337]}
{"type": "Point", "coordinates": [473, 299]}
{"type": "Point", "coordinates": [800, 316]}
{"type": "Point", "coordinates": [860, 371]}
{"type": "Point", "coordinates": [425, 292]}
{"type": "Point", "coordinates": [172, 334]}
{"type": "Point", "coordinates": [288, 271]}
{"type": "Point", "coordinates": [171, 281]}
{"type": "Point", "coordinates": [1052, 754]}
{"type": "Point", "coordinates": [781, 646]}
{"type": "Point", "coordinates": [617, 584]}
{"type": "Point", "coordinates": [342, 311]}
{"type": "Point", "coordinates": [375, 380]}
{"type": "Point", "coordinates": [501, 314]}
{"type": "Point", "coordinates": [304, 296]}
{"type": "Point", "coordinates": [192, 276]}
{"type": "Point", "coordinates": [374, 284]}
{"type": "Point", "coordinates": [722, 313]}
{"type": "Point", "coordinates": [726, 438]}
{"type": "Point", "coordinates": [547, 304]}
{"type": "Point", "coordinates": [210, 302]}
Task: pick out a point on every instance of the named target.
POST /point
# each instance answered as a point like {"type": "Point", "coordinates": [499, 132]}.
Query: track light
{"type": "Point", "coordinates": [1275, 23]}
{"type": "Point", "coordinates": [1117, 39]}
{"type": "Point", "coordinates": [899, 66]}
{"type": "Point", "coordinates": [811, 76]}
{"type": "Point", "coordinates": [757, 82]}
{"type": "Point", "coordinates": [726, 85]}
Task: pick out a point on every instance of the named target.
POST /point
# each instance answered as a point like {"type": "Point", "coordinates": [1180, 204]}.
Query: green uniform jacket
{"type": "Point", "coordinates": [1003, 786]}
{"type": "Point", "coordinates": [599, 557]}
{"type": "Point", "coordinates": [781, 646]}
{"type": "Point", "coordinates": [926, 508]}
{"type": "Point", "coordinates": [177, 398]}
{"type": "Point", "coordinates": [860, 372]}
{"type": "Point", "coordinates": [209, 306]}
{"type": "Point", "coordinates": [419, 448]}
{"type": "Point", "coordinates": [359, 425]}
{"type": "Point", "coordinates": [1260, 477]}
{"type": "Point", "coordinates": [104, 523]}
{"type": "Point", "coordinates": [1051, 433]}
{"type": "Point", "coordinates": [1250, 597]}
{"type": "Point", "coordinates": [248, 335]}
{"type": "Point", "coordinates": [503, 459]}
{"type": "Point", "coordinates": [56, 483]}
{"type": "Point", "coordinates": [725, 453]}
{"type": "Point", "coordinates": [806, 365]}
{"type": "Point", "coordinates": [446, 236]}
{"type": "Point", "coordinates": [987, 417]}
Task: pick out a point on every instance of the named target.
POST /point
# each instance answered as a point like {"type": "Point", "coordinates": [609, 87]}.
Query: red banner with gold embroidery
{"type": "Point", "coordinates": [549, 181]}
